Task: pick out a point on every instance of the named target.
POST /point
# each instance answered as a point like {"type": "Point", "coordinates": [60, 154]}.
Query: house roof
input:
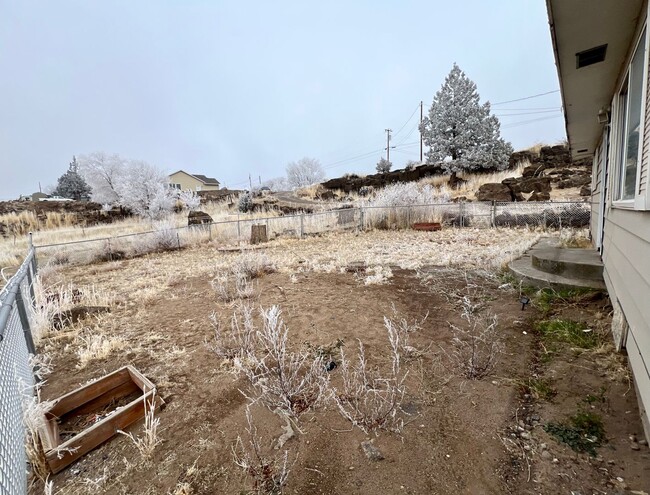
{"type": "Point", "coordinates": [580, 25]}
{"type": "Point", "coordinates": [205, 180]}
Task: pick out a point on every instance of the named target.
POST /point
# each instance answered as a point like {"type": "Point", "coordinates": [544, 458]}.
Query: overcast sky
{"type": "Point", "coordinates": [228, 88]}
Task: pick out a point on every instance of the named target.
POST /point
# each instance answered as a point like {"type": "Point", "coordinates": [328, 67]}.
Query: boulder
{"type": "Point", "coordinates": [494, 192]}
{"type": "Point", "coordinates": [540, 196]}
{"type": "Point", "coordinates": [574, 180]}
{"type": "Point", "coordinates": [198, 218]}
{"type": "Point", "coordinates": [534, 184]}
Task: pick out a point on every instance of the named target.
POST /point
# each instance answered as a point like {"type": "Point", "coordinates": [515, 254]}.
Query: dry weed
{"type": "Point", "coordinates": [368, 399]}
{"type": "Point", "coordinates": [97, 346]}
{"type": "Point", "coordinates": [477, 348]}
{"type": "Point", "coordinates": [147, 443]}
{"type": "Point", "coordinates": [268, 474]}
{"type": "Point", "coordinates": [239, 340]}
{"type": "Point", "coordinates": [289, 382]}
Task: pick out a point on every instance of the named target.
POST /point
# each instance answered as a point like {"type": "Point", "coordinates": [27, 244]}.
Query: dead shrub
{"type": "Point", "coordinates": [238, 341]}
{"type": "Point", "coordinates": [232, 286]}
{"type": "Point", "coordinates": [287, 382]}
{"type": "Point", "coordinates": [268, 474]}
{"type": "Point", "coordinates": [252, 265]}
{"type": "Point", "coordinates": [476, 349]}
{"type": "Point", "coordinates": [236, 282]}
{"type": "Point", "coordinates": [369, 400]}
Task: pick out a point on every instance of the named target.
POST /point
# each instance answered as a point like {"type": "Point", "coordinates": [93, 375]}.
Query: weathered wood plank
{"type": "Point", "coordinates": [89, 392]}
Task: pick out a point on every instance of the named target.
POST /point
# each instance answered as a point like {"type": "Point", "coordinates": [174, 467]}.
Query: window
{"type": "Point", "coordinates": [630, 104]}
{"type": "Point", "coordinates": [198, 188]}
{"type": "Point", "coordinates": [175, 186]}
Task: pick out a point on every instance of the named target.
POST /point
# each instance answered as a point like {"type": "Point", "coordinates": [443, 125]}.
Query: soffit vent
{"type": "Point", "coordinates": [591, 56]}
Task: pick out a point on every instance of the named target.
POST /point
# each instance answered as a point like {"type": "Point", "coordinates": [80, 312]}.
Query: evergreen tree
{"type": "Point", "coordinates": [71, 185]}
{"type": "Point", "coordinates": [460, 132]}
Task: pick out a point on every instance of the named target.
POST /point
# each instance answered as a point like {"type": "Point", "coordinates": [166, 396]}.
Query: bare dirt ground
{"type": "Point", "coordinates": [462, 436]}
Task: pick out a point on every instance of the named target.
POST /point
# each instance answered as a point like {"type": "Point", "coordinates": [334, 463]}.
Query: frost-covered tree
{"type": "Point", "coordinates": [460, 131]}
{"type": "Point", "coordinates": [143, 189]}
{"type": "Point", "coordinates": [102, 171]}
{"type": "Point", "coordinates": [383, 166]}
{"type": "Point", "coordinates": [72, 185]}
{"type": "Point", "coordinates": [277, 184]}
{"type": "Point", "coordinates": [304, 172]}
{"type": "Point", "coordinates": [132, 184]}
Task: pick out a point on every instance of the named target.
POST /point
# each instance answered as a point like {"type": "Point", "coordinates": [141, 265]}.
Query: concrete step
{"type": "Point", "coordinates": [570, 263]}
{"type": "Point", "coordinates": [524, 270]}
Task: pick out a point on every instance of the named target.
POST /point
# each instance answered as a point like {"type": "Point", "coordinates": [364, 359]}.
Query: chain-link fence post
{"type": "Point", "coordinates": [24, 321]}
{"type": "Point", "coordinates": [493, 214]}
{"type": "Point", "coordinates": [461, 210]}
{"type": "Point", "coordinates": [302, 225]}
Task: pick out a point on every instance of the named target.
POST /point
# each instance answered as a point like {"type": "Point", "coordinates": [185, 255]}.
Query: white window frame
{"type": "Point", "coordinates": [639, 201]}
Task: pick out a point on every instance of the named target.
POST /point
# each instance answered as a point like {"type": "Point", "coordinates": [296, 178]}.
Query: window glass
{"type": "Point", "coordinates": [632, 128]}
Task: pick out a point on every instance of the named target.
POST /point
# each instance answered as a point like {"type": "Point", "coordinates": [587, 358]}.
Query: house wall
{"type": "Point", "coordinates": [626, 256]}
{"type": "Point", "coordinates": [626, 251]}
{"type": "Point", "coordinates": [596, 192]}
{"type": "Point", "coordinates": [188, 182]}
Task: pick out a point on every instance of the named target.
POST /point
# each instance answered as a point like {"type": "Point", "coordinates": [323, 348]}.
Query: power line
{"type": "Point", "coordinates": [527, 113]}
{"type": "Point", "coordinates": [526, 98]}
{"type": "Point", "coordinates": [525, 109]}
{"type": "Point", "coordinates": [524, 122]}
{"type": "Point", "coordinates": [409, 119]}
{"type": "Point", "coordinates": [409, 134]}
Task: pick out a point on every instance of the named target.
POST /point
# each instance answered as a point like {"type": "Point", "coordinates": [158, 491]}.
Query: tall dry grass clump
{"type": "Point", "coordinates": [147, 442]}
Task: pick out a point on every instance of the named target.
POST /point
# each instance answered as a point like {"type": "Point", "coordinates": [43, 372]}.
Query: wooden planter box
{"type": "Point", "coordinates": [111, 403]}
{"type": "Point", "coordinates": [432, 226]}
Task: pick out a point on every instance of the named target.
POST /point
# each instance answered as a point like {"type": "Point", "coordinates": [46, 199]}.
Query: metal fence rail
{"type": "Point", "coordinates": [553, 215]}
{"type": "Point", "coordinates": [16, 378]}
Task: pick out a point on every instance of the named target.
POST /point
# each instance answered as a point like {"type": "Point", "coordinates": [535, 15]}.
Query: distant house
{"type": "Point", "coordinates": [38, 196]}
{"type": "Point", "coordinates": [192, 182]}
{"type": "Point", "coordinates": [601, 53]}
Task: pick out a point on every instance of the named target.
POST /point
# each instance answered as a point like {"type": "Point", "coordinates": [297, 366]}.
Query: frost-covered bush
{"type": "Point", "coordinates": [245, 203]}
{"type": "Point", "coordinates": [189, 200]}
{"type": "Point", "coordinates": [163, 238]}
{"type": "Point", "coordinates": [408, 194]}
{"type": "Point", "coordinates": [388, 207]}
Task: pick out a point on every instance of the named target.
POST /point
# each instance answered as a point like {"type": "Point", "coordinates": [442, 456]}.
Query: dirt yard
{"type": "Point", "coordinates": [485, 436]}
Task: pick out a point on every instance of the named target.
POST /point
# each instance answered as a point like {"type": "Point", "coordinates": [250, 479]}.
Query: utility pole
{"type": "Point", "coordinates": [421, 117]}
{"type": "Point", "coordinates": [388, 131]}
{"type": "Point", "coordinates": [250, 182]}
{"type": "Point", "coordinates": [260, 179]}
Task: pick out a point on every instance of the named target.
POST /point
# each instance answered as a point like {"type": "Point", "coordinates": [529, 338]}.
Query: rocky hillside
{"type": "Point", "coordinates": [551, 175]}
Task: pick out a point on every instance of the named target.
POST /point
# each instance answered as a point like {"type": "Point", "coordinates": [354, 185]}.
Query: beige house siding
{"type": "Point", "coordinates": [627, 276]}
{"type": "Point", "coordinates": [188, 182]}
{"type": "Point", "coordinates": [596, 189]}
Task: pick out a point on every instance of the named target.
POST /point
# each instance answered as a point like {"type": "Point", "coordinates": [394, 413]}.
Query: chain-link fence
{"type": "Point", "coordinates": [547, 215]}
{"type": "Point", "coordinates": [16, 378]}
